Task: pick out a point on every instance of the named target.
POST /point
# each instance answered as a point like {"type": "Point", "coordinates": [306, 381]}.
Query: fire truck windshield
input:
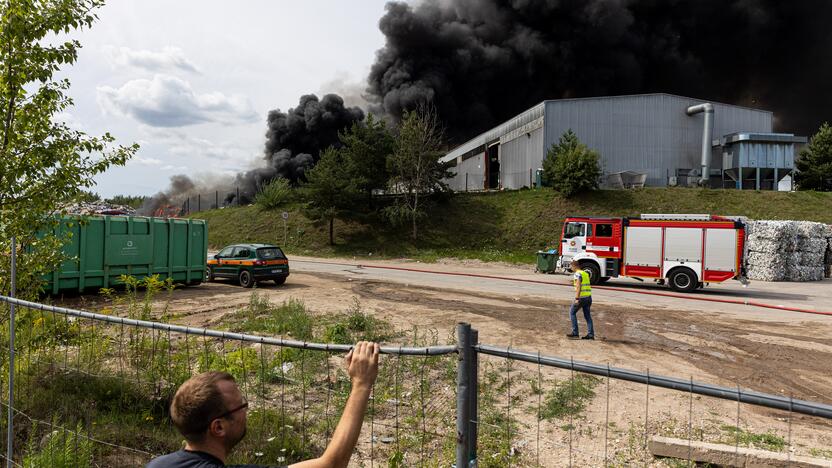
{"type": "Point", "coordinates": [573, 230]}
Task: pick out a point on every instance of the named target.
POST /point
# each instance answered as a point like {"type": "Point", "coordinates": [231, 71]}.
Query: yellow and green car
{"type": "Point", "coordinates": [249, 264]}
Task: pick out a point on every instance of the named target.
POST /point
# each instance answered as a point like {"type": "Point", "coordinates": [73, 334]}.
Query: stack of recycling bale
{"type": "Point", "coordinates": [786, 250]}
{"type": "Point", "coordinates": [828, 257]}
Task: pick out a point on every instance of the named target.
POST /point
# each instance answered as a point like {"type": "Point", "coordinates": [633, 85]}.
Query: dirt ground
{"type": "Point", "coordinates": [787, 356]}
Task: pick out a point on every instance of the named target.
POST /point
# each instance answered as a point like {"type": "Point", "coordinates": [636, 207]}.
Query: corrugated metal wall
{"type": "Point", "coordinates": [470, 174]}
{"type": "Point", "coordinates": [497, 132]}
{"type": "Point", "coordinates": [646, 133]}
{"type": "Point", "coordinates": [519, 156]}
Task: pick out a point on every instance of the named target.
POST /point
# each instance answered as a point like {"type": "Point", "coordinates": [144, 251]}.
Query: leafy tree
{"type": "Point", "coordinates": [329, 194]}
{"type": "Point", "coordinates": [133, 201]}
{"type": "Point", "coordinates": [415, 169]}
{"type": "Point", "coordinates": [44, 162]}
{"type": "Point", "coordinates": [570, 167]}
{"type": "Point", "coordinates": [366, 146]}
{"type": "Point", "coordinates": [814, 165]}
{"type": "Point", "coordinates": [87, 196]}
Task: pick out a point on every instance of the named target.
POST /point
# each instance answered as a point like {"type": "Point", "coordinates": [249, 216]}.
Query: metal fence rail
{"type": "Point", "coordinates": [411, 413]}
{"type": "Point", "coordinates": [809, 408]}
{"type": "Point", "coordinates": [405, 351]}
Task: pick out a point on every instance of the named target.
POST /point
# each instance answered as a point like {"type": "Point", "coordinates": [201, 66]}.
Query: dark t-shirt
{"type": "Point", "coordinates": [189, 459]}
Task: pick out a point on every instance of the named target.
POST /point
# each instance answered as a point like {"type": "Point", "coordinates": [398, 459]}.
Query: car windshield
{"type": "Point", "coordinates": [573, 229]}
{"type": "Point", "coordinates": [270, 253]}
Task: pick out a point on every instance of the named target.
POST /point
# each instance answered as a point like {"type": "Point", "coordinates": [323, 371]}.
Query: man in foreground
{"type": "Point", "coordinates": [211, 414]}
{"type": "Point", "coordinates": [583, 300]}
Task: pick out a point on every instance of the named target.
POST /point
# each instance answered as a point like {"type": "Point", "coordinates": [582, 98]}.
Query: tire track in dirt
{"type": "Point", "coordinates": [724, 349]}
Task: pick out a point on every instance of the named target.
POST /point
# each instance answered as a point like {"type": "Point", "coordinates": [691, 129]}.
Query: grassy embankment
{"type": "Point", "coordinates": [507, 226]}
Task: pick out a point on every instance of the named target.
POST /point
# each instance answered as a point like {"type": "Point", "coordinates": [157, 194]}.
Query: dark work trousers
{"type": "Point", "coordinates": [584, 303]}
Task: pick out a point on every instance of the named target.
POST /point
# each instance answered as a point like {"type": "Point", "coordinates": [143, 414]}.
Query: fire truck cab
{"type": "Point", "coordinates": [687, 251]}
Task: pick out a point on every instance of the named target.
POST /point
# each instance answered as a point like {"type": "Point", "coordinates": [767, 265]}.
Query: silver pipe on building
{"type": "Point", "coordinates": [707, 135]}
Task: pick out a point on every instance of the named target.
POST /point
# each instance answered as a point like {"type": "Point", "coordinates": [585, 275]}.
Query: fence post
{"type": "Point", "coordinates": [466, 181]}
{"type": "Point", "coordinates": [473, 421]}
{"type": "Point", "coordinates": [198, 202]}
{"type": "Point", "coordinates": [465, 449]}
{"type": "Point", "coordinates": [10, 425]}
{"type": "Point", "coordinates": [217, 199]}
{"type": "Point", "coordinates": [237, 199]}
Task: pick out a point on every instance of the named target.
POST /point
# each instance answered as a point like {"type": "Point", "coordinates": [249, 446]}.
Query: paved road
{"type": "Point", "coordinates": [523, 282]}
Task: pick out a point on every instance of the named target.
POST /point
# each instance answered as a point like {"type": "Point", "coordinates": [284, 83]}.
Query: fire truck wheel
{"type": "Point", "coordinates": [603, 279]}
{"type": "Point", "coordinates": [683, 280]}
{"type": "Point", "coordinates": [594, 272]}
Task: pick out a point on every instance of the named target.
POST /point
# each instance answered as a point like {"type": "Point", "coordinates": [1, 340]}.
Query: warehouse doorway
{"type": "Point", "coordinates": [492, 166]}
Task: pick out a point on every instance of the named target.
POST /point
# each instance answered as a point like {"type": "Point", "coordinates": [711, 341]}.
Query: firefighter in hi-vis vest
{"type": "Point", "coordinates": [583, 300]}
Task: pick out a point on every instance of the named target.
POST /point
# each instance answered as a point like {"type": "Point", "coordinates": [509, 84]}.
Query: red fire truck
{"type": "Point", "coordinates": [686, 251]}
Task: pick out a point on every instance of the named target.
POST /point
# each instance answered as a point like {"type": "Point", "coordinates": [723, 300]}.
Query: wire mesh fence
{"type": "Point", "coordinates": [91, 392]}
{"type": "Point", "coordinates": [94, 389]}
{"type": "Point", "coordinates": [534, 414]}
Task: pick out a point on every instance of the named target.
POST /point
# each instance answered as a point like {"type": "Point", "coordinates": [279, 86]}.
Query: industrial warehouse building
{"type": "Point", "coordinates": [649, 139]}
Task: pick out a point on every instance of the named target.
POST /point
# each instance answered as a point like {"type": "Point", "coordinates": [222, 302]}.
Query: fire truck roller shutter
{"type": "Point", "coordinates": [683, 248]}
{"type": "Point", "coordinates": [642, 258]}
{"type": "Point", "coordinates": [720, 254]}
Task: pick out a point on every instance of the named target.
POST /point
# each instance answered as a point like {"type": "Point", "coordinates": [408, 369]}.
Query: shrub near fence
{"type": "Point", "coordinates": [93, 390]}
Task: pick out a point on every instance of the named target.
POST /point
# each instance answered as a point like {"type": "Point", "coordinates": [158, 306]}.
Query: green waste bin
{"type": "Point", "coordinates": [546, 260]}
{"type": "Point", "coordinates": [102, 248]}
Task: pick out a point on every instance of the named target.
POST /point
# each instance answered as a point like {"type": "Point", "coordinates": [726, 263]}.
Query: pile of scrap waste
{"type": "Point", "coordinates": [96, 208]}
{"type": "Point", "coordinates": [788, 250]}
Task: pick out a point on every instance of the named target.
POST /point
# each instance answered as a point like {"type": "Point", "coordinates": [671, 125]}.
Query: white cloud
{"type": "Point", "coordinates": [169, 58]}
{"type": "Point", "coordinates": [168, 167]}
{"type": "Point", "coordinates": [167, 101]}
{"type": "Point", "coordinates": [70, 121]}
{"type": "Point", "coordinates": [145, 161]}
{"type": "Point", "coordinates": [183, 145]}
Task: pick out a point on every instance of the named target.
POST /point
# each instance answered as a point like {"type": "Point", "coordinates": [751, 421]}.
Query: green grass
{"type": "Point", "coordinates": [823, 453]}
{"type": "Point", "coordinates": [569, 397]}
{"type": "Point", "coordinates": [767, 441]}
{"type": "Point", "coordinates": [290, 319]}
{"type": "Point", "coordinates": [507, 226]}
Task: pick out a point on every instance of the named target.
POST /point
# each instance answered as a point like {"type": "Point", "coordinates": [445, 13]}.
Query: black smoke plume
{"type": "Point", "coordinates": [295, 139]}
{"type": "Point", "coordinates": [168, 202]}
{"type": "Point", "coordinates": [481, 62]}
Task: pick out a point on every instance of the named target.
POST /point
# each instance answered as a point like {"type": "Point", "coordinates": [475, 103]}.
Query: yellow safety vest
{"type": "Point", "coordinates": [586, 288]}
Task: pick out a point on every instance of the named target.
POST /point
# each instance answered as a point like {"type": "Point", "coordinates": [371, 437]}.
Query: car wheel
{"type": "Point", "coordinates": [246, 280]}
{"type": "Point", "coordinates": [594, 272]}
{"type": "Point", "coordinates": [279, 281]}
{"type": "Point", "coordinates": [209, 274]}
{"type": "Point", "coordinates": [683, 280]}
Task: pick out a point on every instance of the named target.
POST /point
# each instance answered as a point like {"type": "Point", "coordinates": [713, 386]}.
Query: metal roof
{"type": "Point", "coordinates": [763, 137]}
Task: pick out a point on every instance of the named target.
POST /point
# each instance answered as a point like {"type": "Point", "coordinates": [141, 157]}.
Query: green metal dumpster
{"type": "Point", "coordinates": [101, 248]}
{"type": "Point", "coordinates": [546, 260]}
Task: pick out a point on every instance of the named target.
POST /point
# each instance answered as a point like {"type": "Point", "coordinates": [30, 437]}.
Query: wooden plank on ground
{"type": "Point", "coordinates": [728, 455]}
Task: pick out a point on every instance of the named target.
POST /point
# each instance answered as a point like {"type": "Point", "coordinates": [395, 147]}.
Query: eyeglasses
{"type": "Point", "coordinates": [230, 412]}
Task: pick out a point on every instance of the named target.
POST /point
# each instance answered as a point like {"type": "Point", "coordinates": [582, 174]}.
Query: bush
{"type": "Point", "coordinates": [570, 167]}
{"type": "Point", "coordinates": [274, 194]}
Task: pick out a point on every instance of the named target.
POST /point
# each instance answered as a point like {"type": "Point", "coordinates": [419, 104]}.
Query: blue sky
{"type": "Point", "coordinates": [192, 81]}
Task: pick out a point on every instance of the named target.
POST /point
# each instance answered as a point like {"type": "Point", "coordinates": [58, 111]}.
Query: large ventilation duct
{"type": "Point", "coordinates": [707, 135]}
